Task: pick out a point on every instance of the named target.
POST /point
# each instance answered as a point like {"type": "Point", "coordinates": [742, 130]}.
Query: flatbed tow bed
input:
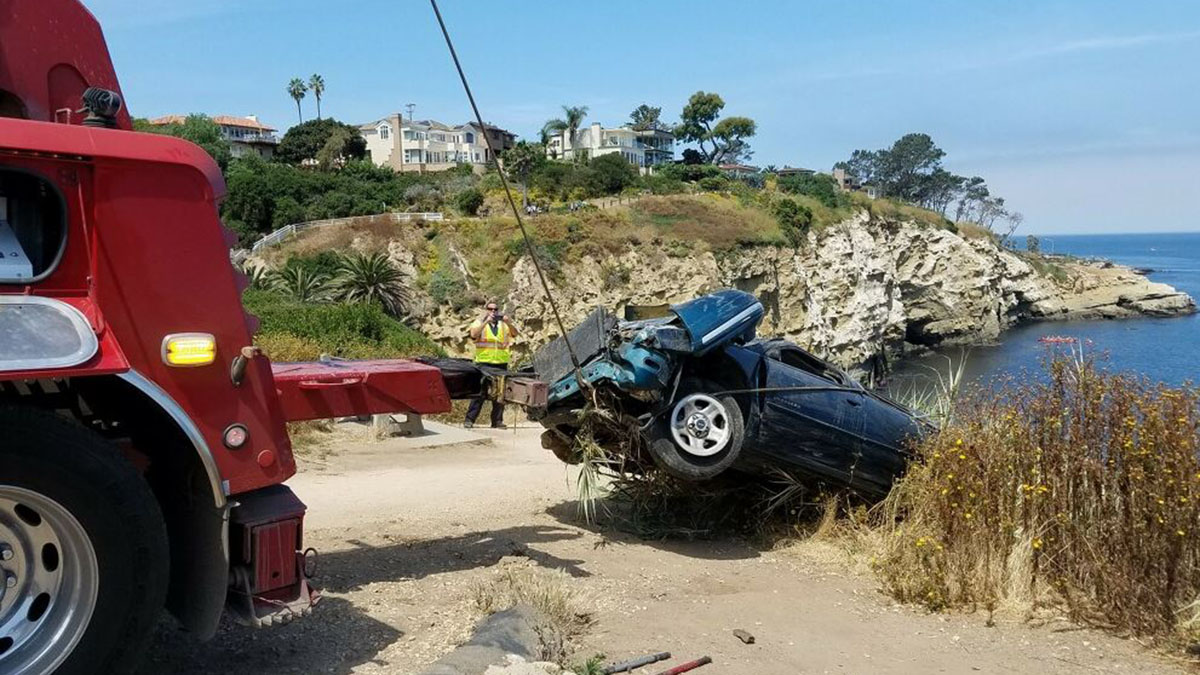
{"type": "Point", "coordinates": [426, 385]}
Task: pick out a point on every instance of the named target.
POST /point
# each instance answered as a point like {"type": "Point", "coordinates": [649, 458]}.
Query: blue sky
{"type": "Point", "coordinates": [1084, 115]}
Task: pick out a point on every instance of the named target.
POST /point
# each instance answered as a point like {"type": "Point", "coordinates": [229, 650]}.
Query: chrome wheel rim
{"type": "Point", "coordinates": [49, 585]}
{"type": "Point", "coordinates": [700, 425]}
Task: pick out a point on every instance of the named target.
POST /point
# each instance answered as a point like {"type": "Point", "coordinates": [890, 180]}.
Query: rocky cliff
{"type": "Point", "coordinates": [854, 289]}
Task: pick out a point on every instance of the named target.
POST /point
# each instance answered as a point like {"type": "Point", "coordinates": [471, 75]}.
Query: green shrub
{"type": "Point", "coordinates": [660, 184]}
{"type": "Point", "coordinates": [612, 173]}
{"type": "Point", "coordinates": [349, 330]}
{"type": "Point", "coordinates": [447, 287]}
{"type": "Point", "coordinates": [322, 262]}
{"type": "Point", "coordinates": [468, 201]}
{"type": "Point", "coordinates": [549, 254]}
{"type": "Point", "coordinates": [287, 212]}
{"type": "Point", "coordinates": [615, 275]}
{"type": "Point", "coordinates": [820, 186]}
{"type": "Point", "coordinates": [794, 219]}
{"type": "Point", "coordinates": [713, 183]}
{"type": "Point", "coordinates": [693, 173]}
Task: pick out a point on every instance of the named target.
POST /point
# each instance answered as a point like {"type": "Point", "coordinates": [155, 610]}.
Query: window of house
{"type": "Point", "coordinates": [385, 131]}
{"type": "Point", "coordinates": [470, 137]}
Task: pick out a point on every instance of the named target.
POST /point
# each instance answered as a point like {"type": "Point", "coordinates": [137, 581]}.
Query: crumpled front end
{"type": "Point", "coordinates": [640, 357]}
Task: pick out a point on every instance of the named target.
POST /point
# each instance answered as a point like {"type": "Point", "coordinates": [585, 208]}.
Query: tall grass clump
{"type": "Point", "coordinates": [1077, 492]}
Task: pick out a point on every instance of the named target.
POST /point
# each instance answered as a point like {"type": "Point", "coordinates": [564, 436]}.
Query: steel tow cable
{"type": "Point", "coordinates": [508, 194]}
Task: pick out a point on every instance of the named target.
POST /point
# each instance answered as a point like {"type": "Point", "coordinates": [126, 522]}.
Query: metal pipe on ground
{"type": "Point", "coordinates": [632, 664]}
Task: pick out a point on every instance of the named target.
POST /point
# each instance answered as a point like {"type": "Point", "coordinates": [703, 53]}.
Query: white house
{"type": "Point", "coordinates": [428, 145]}
{"type": "Point", "coordinates": [643, 149]}
{"type": "Point", "coordinates": [245, 134]}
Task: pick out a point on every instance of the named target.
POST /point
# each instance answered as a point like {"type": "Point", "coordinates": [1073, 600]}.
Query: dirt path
{"type": "Point", "coordinates": [405, 534]}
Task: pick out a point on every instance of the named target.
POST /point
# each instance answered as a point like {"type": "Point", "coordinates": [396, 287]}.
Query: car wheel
{"type": "Point", "coordinates": [700, 435]}
{"type": "Point", "coordinates": [83, 550]}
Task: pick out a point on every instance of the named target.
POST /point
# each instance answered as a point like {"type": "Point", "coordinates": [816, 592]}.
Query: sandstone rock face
{"type": "Point", "coordinates": [853, 291]}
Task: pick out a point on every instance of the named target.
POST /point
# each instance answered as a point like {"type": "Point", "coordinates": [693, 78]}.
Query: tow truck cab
{"type": "Point", "coordinates": [120, 316]}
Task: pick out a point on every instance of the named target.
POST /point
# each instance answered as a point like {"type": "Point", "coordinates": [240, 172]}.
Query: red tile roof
{"type": "Point", "coordinates": [223, 120]}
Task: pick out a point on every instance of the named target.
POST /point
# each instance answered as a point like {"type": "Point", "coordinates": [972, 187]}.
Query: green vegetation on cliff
{"type": "Point", "coordinates": [291, 330]}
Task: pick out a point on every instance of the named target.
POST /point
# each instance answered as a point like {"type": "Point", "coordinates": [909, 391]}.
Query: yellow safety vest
{"type": "Point", "coordinates": [492, 345]}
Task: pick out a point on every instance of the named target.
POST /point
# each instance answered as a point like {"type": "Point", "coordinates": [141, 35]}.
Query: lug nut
{"type": "Point", "coordinates": [5, 552]}
{"type": "Point", "coordinates": [11, 581]}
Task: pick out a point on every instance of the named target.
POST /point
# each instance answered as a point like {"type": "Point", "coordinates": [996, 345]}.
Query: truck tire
{"type": "Point", "coordinates": [700, 435]}
{"type": "Point", "coordinates": [83, 549]}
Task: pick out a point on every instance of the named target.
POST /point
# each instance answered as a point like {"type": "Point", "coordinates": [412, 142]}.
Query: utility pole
{"type": "Point", "coordinates": [410, 107]}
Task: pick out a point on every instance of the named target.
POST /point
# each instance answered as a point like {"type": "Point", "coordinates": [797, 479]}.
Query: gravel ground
{"type": "Point", "coordinates": [406, 533]}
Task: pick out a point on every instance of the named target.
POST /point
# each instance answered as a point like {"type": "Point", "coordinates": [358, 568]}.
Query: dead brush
{"type": "Point", "coordinates": [1079, 493]}
{"type": "Point", "coordinates": [550, 592]}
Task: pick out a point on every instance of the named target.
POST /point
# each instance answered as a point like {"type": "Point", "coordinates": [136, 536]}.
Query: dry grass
{"type": "Point", "coordinates": [372, 234]}
{"type": "Point", "coordinates": [562, 605]}
{"type": "Point", "coordinates": [1079, 493]}
{"type": "Point", "coordinates": [715, 219]}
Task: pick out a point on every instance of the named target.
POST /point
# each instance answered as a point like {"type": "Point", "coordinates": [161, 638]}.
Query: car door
{"type": "Point", "coordinates": [888, 434]}
{"type": "Point", "coordinates": [810, 418]}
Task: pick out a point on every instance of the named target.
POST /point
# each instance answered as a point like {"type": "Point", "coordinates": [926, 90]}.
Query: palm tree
{"type": "Point", "coordinates": [372, 278]}
{"type": "Point", "coordinates": [568, 125]}
{"type": "Point", "coordinates": [296, 89]}
{"type": "Point", "coordinates": [316, 84]}
{"type": "Point", "coordinates": [574, 118]}
{"type": "Point", "coordinates": [302, 285]}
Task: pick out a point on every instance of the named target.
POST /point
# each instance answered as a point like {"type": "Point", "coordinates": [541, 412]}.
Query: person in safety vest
{"type": "Point", "coordinates": [493, 334]}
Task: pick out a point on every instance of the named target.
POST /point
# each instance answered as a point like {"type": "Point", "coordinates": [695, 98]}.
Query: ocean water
{"type": "Point", "coordinates": [1166, 350]}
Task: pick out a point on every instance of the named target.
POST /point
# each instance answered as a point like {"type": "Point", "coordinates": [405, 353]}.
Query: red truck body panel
{"type": "Point", "coordinates": [51, 52]}
{"type": "Point", "coordinates": [147, 256]}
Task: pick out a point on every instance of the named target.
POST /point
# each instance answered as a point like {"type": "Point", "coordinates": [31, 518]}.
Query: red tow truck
{"type": "Point", "coordinates": [143, 439]}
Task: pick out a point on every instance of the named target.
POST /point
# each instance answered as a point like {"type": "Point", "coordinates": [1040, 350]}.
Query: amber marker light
{"type": "Point", "coordinates": [186, 350]}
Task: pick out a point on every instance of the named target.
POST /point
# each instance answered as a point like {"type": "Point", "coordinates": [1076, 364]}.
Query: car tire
{"type": "Point", "coordinates": [681, 448]}
{"type": "Point", "coordinates": [87, 531]}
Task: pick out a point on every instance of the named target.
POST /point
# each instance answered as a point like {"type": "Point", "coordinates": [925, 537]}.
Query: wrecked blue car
{"type": "Point", "coordinates": [706, 396]}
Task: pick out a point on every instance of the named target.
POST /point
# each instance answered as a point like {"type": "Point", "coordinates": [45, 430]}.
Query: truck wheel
{"type": "Point", "coordinates": [83, 550]}
{"type": "Point", "coordinates": [700, 436]}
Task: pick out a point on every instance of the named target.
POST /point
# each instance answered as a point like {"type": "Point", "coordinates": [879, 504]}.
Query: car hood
{"type": "Point", "coordinates": [714, 319]}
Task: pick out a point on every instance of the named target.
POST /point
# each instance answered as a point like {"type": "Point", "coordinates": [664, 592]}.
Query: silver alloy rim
{"type": "Point", "coordinates": [700, 425]}
{"type": "Point", "coordinates": [50, 581]}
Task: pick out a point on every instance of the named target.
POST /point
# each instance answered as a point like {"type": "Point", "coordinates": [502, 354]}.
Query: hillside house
{"type": "Point", "coordinates": [644, 149]}
{"type": "Point", "coordinates": [429, 145]}
{"type": "Point", "coordinates": [246, 135]}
